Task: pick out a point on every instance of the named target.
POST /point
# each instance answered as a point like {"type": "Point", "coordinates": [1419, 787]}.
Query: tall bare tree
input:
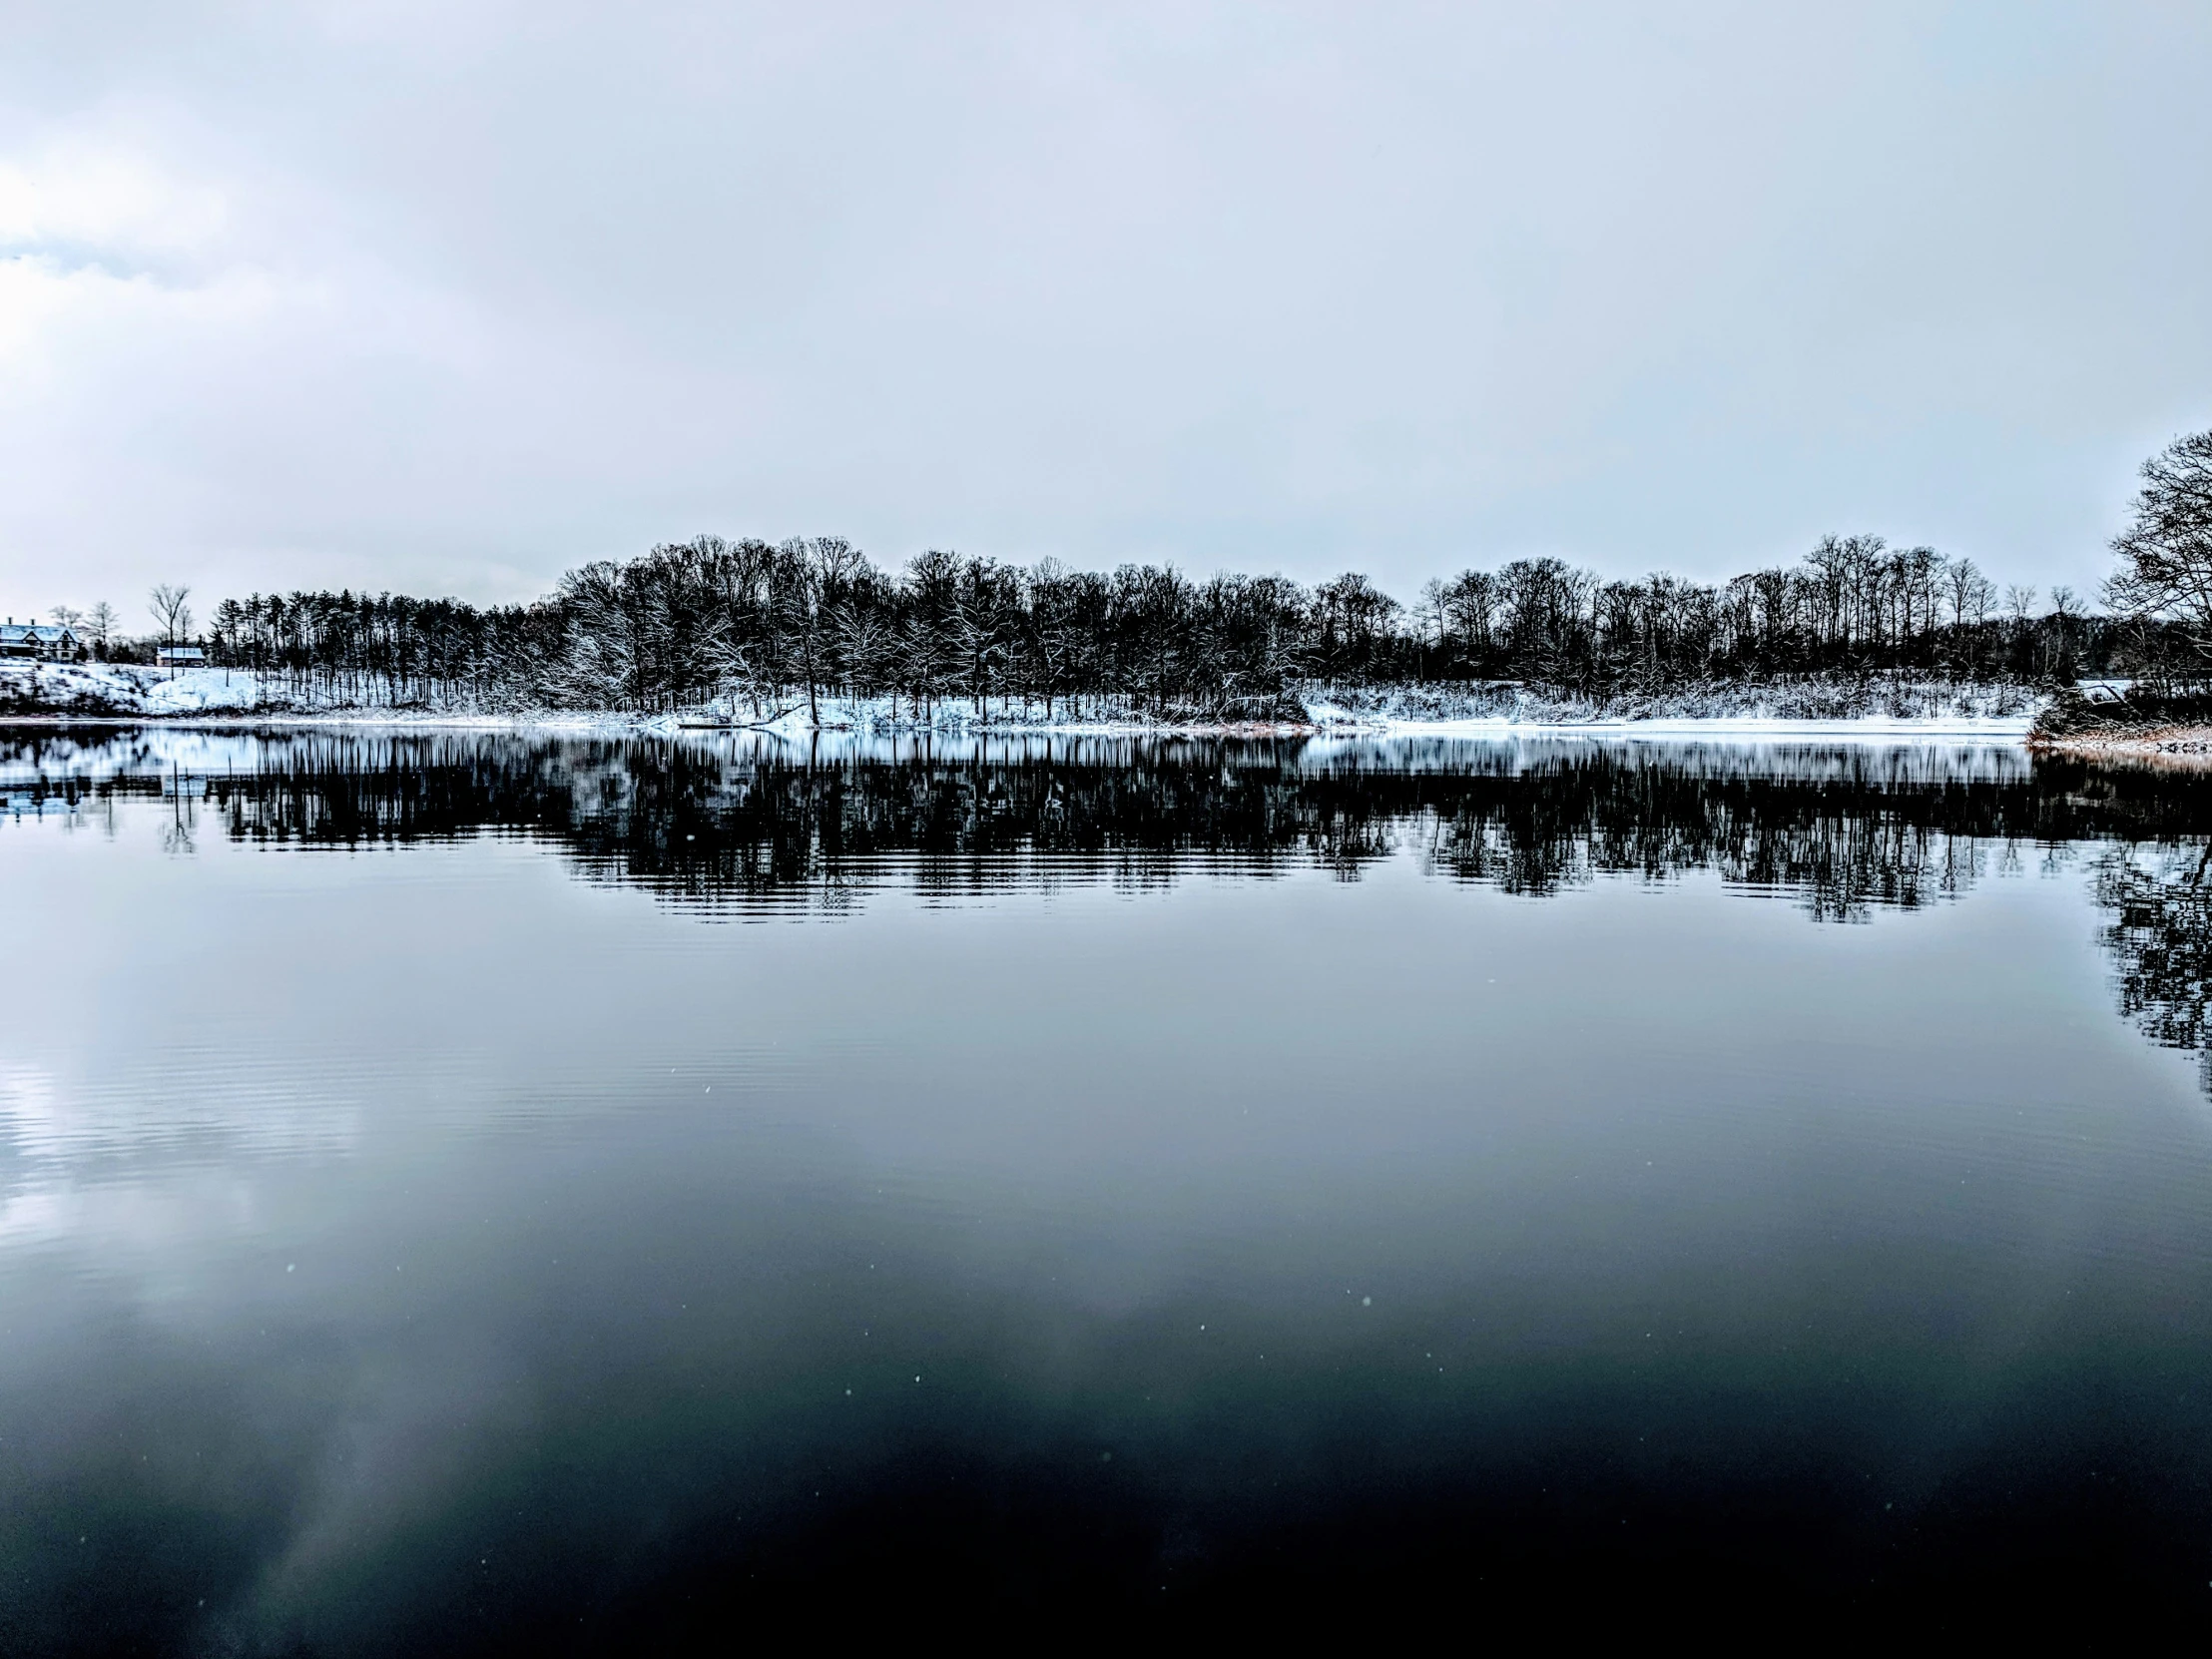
{"type": "Point", "coordinates": [170, 614]}
{"type": "Point", "coordinates": [2166, 552]}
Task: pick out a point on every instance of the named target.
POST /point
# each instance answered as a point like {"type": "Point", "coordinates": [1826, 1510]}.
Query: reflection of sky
{"type": "Point", "coordinates": [232, 1009]}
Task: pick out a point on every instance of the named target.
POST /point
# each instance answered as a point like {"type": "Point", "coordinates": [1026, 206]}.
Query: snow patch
{"type": "Point", "coordinates": [1880, 708]}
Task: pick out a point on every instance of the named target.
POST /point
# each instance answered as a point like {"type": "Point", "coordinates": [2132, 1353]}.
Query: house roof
{"type": "Point", "coordinates": [29, 633]}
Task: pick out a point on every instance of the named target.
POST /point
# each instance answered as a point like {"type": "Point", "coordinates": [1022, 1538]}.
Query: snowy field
{"type": "Point", "coordinates": [1886, 709]}
{"type": "Point", "coordinates": [104, 688]}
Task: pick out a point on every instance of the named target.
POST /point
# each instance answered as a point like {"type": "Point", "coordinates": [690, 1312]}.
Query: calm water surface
{"type": "Point", "coordinates": [468, 1192]}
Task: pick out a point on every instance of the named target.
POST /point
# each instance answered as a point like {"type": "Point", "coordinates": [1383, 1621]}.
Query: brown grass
{"type": "Point", "coordinates": [2184, 746]}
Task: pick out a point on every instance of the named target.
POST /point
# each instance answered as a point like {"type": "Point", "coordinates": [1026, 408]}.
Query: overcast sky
{"type": "Point", "coordinates": [450, 297]}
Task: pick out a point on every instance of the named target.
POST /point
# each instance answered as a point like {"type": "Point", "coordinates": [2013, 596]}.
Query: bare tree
{"type": "Point", "coordinates": [2166, 553]}
{"type": "Point", "coordinates": [824, 572]}
{"type": "Point", "coordinates": [1971, 592]}
{"type": "Point", "coordinates": [170, 614]}
{"type": "Point", "coordinates": [101, 622]}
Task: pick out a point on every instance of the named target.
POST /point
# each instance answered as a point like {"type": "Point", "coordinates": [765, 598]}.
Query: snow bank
{"type": "Point", "coordinates": [1826, 708]}
{"type": "Point", "coordinates": [110, 691]}
{"type": "Point", "coordinates": [95, 688]}
{"type": "Point", "coordinates": [1816, 707]}
{"type": "Point", "coordinates": [1827, 703]}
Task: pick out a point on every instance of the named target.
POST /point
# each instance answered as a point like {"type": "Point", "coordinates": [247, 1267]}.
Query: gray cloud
{"type": "Point", "coordinates": [450, 297]}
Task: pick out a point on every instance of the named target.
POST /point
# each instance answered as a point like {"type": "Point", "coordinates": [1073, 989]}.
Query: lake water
{"type": "Point", "coordinates": [467, 1192]}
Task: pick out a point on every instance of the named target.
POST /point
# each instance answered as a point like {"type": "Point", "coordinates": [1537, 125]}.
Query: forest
{"type": "Point", "coordinates": [772, 628]}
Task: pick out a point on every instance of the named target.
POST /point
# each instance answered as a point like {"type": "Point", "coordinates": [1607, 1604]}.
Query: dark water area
{"type": "Point", "coordinates": [474, 1192]}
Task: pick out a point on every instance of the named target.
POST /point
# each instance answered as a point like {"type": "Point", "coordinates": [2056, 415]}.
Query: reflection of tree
{"type": "Point", "coordinates": [1860, 832]}
{"type": "Point", "coordinates": [1842, 831]}
{"type": "Point", "coordinates": [2160, 938]}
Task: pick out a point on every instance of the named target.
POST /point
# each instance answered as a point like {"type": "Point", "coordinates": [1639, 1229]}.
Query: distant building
{"type": "Point", "coordinates": [49, 642]}
{"type": "Point", "coordinates": [179, 656]}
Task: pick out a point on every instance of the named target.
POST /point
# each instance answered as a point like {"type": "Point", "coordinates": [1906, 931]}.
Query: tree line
{"type": "Point", "coordinates": [772, 628]}
{"type": "Point", "coordinates": [775, 627]}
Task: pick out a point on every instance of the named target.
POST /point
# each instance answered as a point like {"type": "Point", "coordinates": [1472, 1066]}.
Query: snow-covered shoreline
{"type": "Point", "coordinates": [48, 693]}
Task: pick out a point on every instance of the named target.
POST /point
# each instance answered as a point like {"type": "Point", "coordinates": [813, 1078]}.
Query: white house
{"type": "Point", "coordinates": [49, 642]}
